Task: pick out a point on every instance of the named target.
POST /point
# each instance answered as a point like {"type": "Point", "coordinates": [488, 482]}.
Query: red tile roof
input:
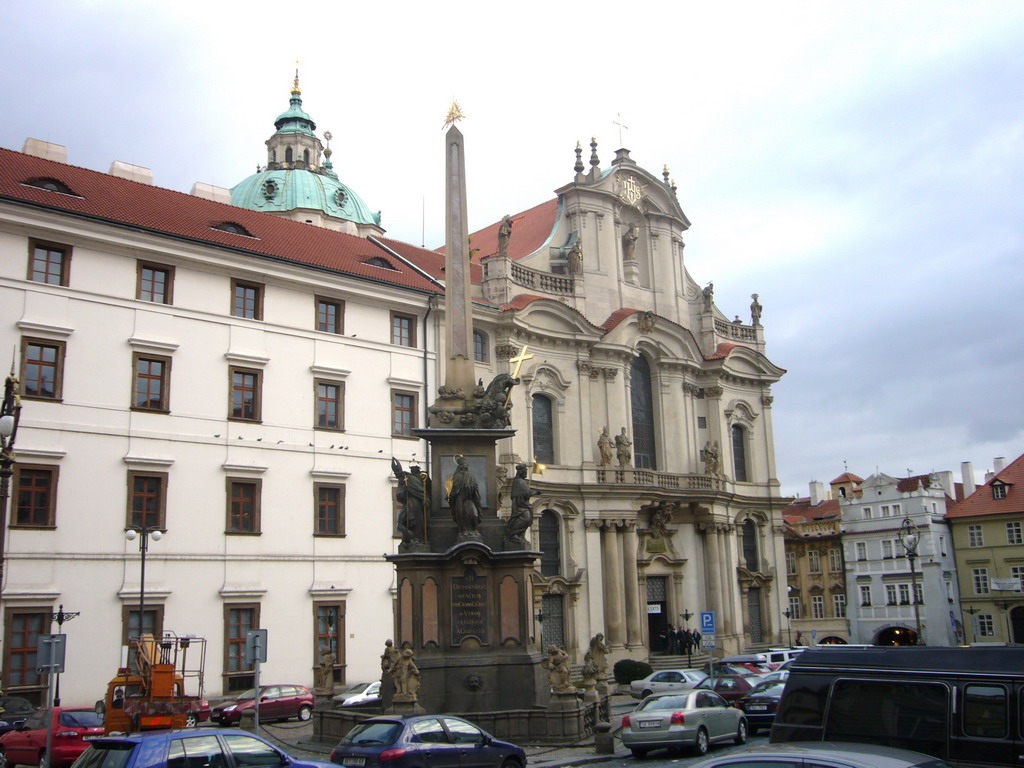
{"type": "Point", "coordinates": [847, 477]}
{"type": "Point", "coordinates": [981, 502]}
{"type": "Point", "coordinates": [530, 230]}
{"type": "Point", "coordinates": [122, 202]}
{"type": "Point", "coordinates": [617, 317]}
{"type": "Point", "coordinates": [722, 351]}
{"type": "Point", "coordinates": [801, 511]}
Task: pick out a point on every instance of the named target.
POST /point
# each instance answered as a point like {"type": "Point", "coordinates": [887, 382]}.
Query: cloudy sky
{"type": "Point", "coordinates": [858, 164]}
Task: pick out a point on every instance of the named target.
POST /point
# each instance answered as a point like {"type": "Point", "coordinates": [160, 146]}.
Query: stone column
{"type": "Point", "coordinates": [613, 600]}
{"type": "Point", "coordinates": [631, 577]}
{"type": "Point", "coordinates": [726, 594]}
{"type": "Point", "coordinates": [712, 560]}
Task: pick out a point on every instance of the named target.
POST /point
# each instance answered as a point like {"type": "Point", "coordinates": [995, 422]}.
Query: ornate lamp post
{"type": "Point", "coordinates": [10, 415]}
{"type": "Point", "coordinates": [143, 533]}
{"type": "Point", "coordinates": [789, 625]}
{"type": "Point", "coordinates": [60, 617]}
{"type": "Point", "coordinates": [909, 540]}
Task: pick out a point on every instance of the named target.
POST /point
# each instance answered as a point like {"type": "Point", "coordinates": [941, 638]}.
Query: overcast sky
{"type": "Point", "coordinates": [857, 164]}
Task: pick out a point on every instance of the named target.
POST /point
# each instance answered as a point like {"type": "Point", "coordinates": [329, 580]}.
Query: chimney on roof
{"type": "Point", "coordinates": [946, 481]}
{"type": "Point", "coordinates": [46, 150]}
{"type": "Point", "coordinates": [211, 192]}
{"type": "Point", "coordinates": [967, 477]}
{"type": "Point", "coordinates": [998, 464]}
{"type": "Point", "coordinates": [131, 172]}
{"type": "Point", "coordinates": [817, 493]}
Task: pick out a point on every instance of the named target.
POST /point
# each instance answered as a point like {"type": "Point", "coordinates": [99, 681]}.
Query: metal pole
{"type": "Point", "coordinates": [912, 555]}
{"type": "Point", "coordinates": [143, 546]}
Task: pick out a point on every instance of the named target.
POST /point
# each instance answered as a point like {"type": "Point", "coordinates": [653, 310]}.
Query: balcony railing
{"type": "Point", "coordinates": [650, 477]}
{"type": "Point", "coordinates": [736, 331]}
{"type": "Point", "coordinates": [542, 281]}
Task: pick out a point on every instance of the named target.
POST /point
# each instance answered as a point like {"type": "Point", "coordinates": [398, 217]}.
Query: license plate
{"type": "Point", "coordinates": [757, 707]}
{"type": "Point", "coordinates": [353, 761]}
{"type": "Point", "coordinates": [649, 724]}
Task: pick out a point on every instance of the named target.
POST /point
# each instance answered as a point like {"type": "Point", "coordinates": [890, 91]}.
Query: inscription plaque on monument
{"type": "Point", "coordinates": [469, 608]}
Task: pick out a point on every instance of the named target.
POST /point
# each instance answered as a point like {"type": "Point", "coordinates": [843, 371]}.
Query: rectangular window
{"type": "Point", "coordinates": [403, 330]}
{"type": "Point", "coordinates": [885, 510]}
{"type": "Point", "coordinates": [330, 405]}
{"type": "Point", "coordinates": [238, 620]}
{"type": "Point", "coordinates": [791, 563]}
{"type": "Point", "coordinates": [890, 594]}
{"type": "Point", "coordinates": [895, 509]}
{"type": "Point", "coordinates": [246, 300]}
{"type": "Point", "coordinates": [702, 422]}
{"type": "Point", "coordinates": [998, 491]}
{"type": "Point", "coordinates": [328, 631]}
{"type": "Point", "coordinates": [904, 594]}
{"type": "Point", "coordinates": [246, 394]}
{"type": "Point", "coordinates": [243, 506]}
{"type": "Point", "coordinates": [975, 538]}
{"type": "Point", "coordinates": [942, 546]}
{"type": "Point", "coordinates": [154, 283]}
{"type": "Point", "coordinates": [330, 509]}
{"type": "Point", "coordinates": [867, 513]}
{"type": "Point", "coordinates": [1017, 573]}
{"type": "Point", "coordinates": [152, 625]}
{"type": "Point", "coordinates": [35, 496]}
{"type": "Point", "coordinates": [886, 548]}
{"type": "Point", "coordinates": [862, 550]}
{"type": "Point", "coordinates": [1013, 533]}
{"type": "Point", "coordinates": [814, 561]}
{"type": "Point", "coordinates": [147, 500]}
{"type": "Point", "coordinates": [403, 413]}
{"type": "Point", "coordinates": [48, 263]}
{"type": "Point", "coordinates": [794, 608]}
{"type": "Point", "coordinates": [818, 606]}
{"type": "Point", "coordinates": [152, 376]}
{"type": "Point", "coordinates": [839, 606]}
{"type": "Point", "coordinates": [330, 315]}
{"type": "Point", "coordinates": [835, 560]}
{"type": "Point", "coordinates": [980, 577]}
{"type": "Point", "coordinates": [42, 369]}
{"type": "Point", "coordinates": [21, 637]}
{"type": "Point", "coordinates": [986, 625]}
{"type": "Point", "coordinates": [985, 711]}
{"type": "Point", "coordinates": [918, 595]}
{"type": "Point", "coordinates": [865, 595]}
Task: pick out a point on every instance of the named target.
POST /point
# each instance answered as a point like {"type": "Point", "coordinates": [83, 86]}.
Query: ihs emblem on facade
{"type": "Point", "coordinates": [631, 192]}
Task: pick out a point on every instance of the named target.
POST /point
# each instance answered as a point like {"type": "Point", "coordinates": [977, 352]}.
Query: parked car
{"type": "Point", "coordinates": [13, 712]}
{"type": "Point", "coordinates": [761, 703]}
{"type": "Point", "coordinates": [277, 702]}
{"type": "Point", "coordinates": [695, 719]}
{"type": "Point", "coordinates": [360, 693]}
{"type": "Point", "coordinates": [778, 676]}
{"type": "Point", "coordinates": [200, 715]}
{"type": "Point", "coordinates": [729, 687]}
{"type": "Point", "coordinates": [185, 748]}
{"type": "Point", "coordinates": [424, 741]}
{"type": "Point", "coordinates": [752, 662]}
{"type": "Point", "coordinates": [72, 728]}
{"type": "Point", "coordinates": [822, 755]}
{"type": "Point", "coordinates": [718, 668]}
{"type": "Point", "coordinates": [665, 680]}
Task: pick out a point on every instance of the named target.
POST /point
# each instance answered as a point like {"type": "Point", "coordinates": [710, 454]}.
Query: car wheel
{"type": "Point", "coordinates": [43, 761]}
{"type": "Point", "coordinates": [638, 752]}
{"type": "Point", "coordinates": [701, 743]}
{"type": "Point", "coordinates": [741, 732]}
{"type": "Point", "coordinates": [646, 693]}
{"type": "Point", "coordinates": [305, 713]}
{"type": "Point", "coordinates": [508, 762]}
{"type": "Point", "coordinates": [191, 720]}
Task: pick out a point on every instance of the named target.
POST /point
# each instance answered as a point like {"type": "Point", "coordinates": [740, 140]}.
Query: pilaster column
{"type": "Point", "coordinates": [712, 560]}
{"type": "Point", "coordinates": [726, 601]}
{"type": "Point", "coordinates": [613, 599]}
{"type": "Point", "coordinates": [631, 578]}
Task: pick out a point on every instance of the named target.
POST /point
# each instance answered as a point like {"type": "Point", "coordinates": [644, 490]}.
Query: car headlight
{"type": "Point", "coordinates": [230, 708]}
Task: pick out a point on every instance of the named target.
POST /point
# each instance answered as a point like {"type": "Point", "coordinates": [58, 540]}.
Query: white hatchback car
{"type": "Point", "coordinates": [665, 680]}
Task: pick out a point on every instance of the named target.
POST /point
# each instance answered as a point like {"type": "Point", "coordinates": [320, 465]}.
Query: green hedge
{"type": "Point", "coordinates": [628, 670]}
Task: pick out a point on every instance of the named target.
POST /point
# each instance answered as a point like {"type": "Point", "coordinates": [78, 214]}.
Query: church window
{"type": "Point", "coordinates": [739, 453]}
{"type": "Point", "coordinates": [750, 546]}
{"type": "Point", "coordinates": [479, 347]}
{"type": "Point", "coordinates": [642, 405]}
{"type": "Point", "coordinates": [288, 155]}
{"type": "Point", "coordinates": [550, 544]}
{"type": "Point", "coordinates": [543, 430]}
{"type": "Point", "coordinates": [305, 157]}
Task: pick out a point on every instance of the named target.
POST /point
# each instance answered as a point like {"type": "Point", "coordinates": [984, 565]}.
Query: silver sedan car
{"type": "Point", "coordinates": [822, 754]}
{"type": "Point", "coordinates": [694, 719]}
{"type": "Point", "coordinates": [665, 680]}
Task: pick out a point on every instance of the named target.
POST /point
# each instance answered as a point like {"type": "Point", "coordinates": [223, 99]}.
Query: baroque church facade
{"type": "Point", "coordinates": [212, 367]}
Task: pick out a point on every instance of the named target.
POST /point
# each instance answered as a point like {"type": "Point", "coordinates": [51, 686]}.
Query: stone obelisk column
{"type": "Point", "coordinates": [458, 307]}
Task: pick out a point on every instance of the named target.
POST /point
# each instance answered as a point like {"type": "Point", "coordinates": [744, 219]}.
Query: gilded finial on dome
{"type": "Point", "coordinates": [454, 114]}
{"type": "Point", "coordinates": [296, 91]}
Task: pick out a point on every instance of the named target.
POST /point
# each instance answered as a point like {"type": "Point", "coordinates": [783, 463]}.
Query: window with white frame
{"type": "Point", "coordinates": [839, 606]}
{"type": "Point", "coordinates": [867, 513]}
{"type": "Point", "coordinates": [895, 509]}
{"type": "Point", "coordinates": [794, 608]}
{"type": "Point", "coordinates": [862, 550]}
{"type": "Point", "coordinates": [904, 594]}
{"type": "Point", "coordinates": [865, 595]}
{"type": "Point", "coordinates": [975, 538]}
{"type": "Point", "coordinates": [818, 606]}
{"type": "Point", "coordinates": [918, 597]}
{"type": "Point", "coordinates": [835, 560]}
{"type": "Point", "coordinates": [887, 549]}
{"type": "Point", "coordinates": [885, 510]}
{"type": "Point", "coordinates": [814, 561]}
{"type": "Point", "coordinates": [1013, 533]}
{"type": "Point", "coordinates": [942, 546]}
{"type": "Point", "coordinates": [1017, 572]}
{"type": "Point", "coordinates": [980, 576]}
{"type": "Point", "coordinates": [986, 625]}
{"type": "Point", "coordinates": [890, 594]}
{"type": "Point", "coordinates": [791, 563]}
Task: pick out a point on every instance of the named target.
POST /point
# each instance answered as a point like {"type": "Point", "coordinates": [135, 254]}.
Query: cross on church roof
{"type": "Point", "coordinates": [621, 125]}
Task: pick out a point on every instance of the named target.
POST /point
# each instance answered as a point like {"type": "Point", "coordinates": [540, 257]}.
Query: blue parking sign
{"type": "Point", "coordinates": [707, 622]}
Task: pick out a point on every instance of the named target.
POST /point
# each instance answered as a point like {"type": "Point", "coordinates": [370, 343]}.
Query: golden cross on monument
{"type": "Point", "coordinates": [519, 359]}
{"type": "Point", "coordinates": [454, 114]}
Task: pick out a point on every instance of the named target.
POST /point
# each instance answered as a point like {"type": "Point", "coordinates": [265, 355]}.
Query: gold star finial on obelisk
{"type": "Point", "coordinates": [454, 114]}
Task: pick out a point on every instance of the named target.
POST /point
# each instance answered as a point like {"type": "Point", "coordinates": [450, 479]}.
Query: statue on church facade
{"type": "Point", "coordinates": [755, 310]}
{"type": "Point", "coordinates": [623, 449]}
{"type": "Point", "coordinates": [504, 235]}
{"type": "Point", "coordinates": [709, 454]}
{"type": "Point", "coordinates": [709, 296]}
{"type": "Point", "coordinates": [604, 447]}
{"type": "Point", "coordinates": [522, 514]}
{"type": "Point", "coordinates": [575, 259]}
{"type": "Point", "coordinates": [464, 498]}
{"type": "Point", "coordinates": [629, 238]}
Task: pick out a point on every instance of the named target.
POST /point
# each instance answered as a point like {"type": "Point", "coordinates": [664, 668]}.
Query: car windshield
{"type": "Point", "coordinates": [357, 688]}
{"type": "Point", "coordinates": [249, 694]}
{"type": "Point", "coordinates": [663, 702]}
{"type": "Point", "coordinates": [12, 705]}
{"type": "Point", "coordinates": [382, 732]}
{"type": "Point", "coordinates": [81, 718]}
{"type": "Point", "coordinates": [770, 687]}
{"type": "Point", "coordinates": [112, 755]}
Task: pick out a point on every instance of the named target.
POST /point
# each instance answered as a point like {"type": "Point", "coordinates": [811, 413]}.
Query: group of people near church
{"type": "Point", "coordinates": [677, 641]}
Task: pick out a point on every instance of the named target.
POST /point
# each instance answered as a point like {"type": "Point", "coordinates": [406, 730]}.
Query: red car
{"type": "Point", "coordinates": [73, 727]}
{"type": "Point", "coordinates": [730, 687]}
{"type": "Point", "coordinates": [277, 702]}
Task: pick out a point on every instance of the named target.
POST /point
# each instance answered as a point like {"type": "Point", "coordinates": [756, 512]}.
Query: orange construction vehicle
{"type": "Point", "coordinates": [151, 693]}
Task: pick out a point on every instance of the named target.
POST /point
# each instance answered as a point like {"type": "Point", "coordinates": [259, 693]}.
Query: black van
{"type": "Point", "coordinates": [963, 705]}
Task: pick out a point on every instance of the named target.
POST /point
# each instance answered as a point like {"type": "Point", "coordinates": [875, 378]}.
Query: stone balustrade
{"type": "Point", "coordinates": [537, 280]}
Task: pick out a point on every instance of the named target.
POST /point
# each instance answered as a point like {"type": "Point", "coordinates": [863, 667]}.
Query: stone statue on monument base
{"type": "Point", "coordinates": [464, 499]}
{"type": "Point", "coordinates": [604, 447]}
{"type": "Point", "coordinates": [522, 513]}
{"type": "Point", "coordinates": [325, 673]}
{"type": "Point", "coordinates": [709, 454]}
{"type": "Point", "coordinates": [624, 449]}
{"type": "Point", "coordinates": [504, 235]}
{"type": "Point", "coordinates": [411, 493]}
{"type": "Point", "coordinates": [406, 675]}
{"type": "Point", "coordinates": [557, 665]}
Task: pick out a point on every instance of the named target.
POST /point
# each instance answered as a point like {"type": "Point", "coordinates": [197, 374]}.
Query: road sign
{"type": "Point", "coordinates": [50, 654]}
{"type": "Point", "coordinates": [707, 622]}
{"type": "Point", "coordinates": [255, 646]}
{"type": "Point", "coordinates": [707, 640]}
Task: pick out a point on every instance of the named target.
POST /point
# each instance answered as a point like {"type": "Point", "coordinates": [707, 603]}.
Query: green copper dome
{"type": "Point", "coordinates": [280, 191]}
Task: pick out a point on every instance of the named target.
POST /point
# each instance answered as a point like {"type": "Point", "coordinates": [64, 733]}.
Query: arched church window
{"type": "Point", "coordinates": [550, 544]}
{"type": "Point", "coordinates": [739, 453]}
{"type": "Point", "coordinates": [288, 155]}
{"type": "Point", "coordinates": [305, 157]}
{"type": "Point", "coordinates": [750, 559]}
{"type": "Point", "coordinates": [642, 405]}
{"type": "Point", "coordinates": [479, 347]}
{"type": "Point", "coordinates": [543, 430]}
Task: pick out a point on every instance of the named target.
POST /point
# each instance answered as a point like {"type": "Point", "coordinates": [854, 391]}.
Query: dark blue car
{"type": "Point", "coordinates": [424, 741]}
{"type": "Point", "coordinates": [188, 748]}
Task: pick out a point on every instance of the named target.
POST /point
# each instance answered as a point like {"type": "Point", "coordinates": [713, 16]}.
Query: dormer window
{"type": "Point", "coordinates": [232, 227]}
{"type": "Point", "coordinates": [998, 490]}
{"type": "Point", "coordinates": [52, 185]}
{"type": "Point", "coordinates": [378, 261]}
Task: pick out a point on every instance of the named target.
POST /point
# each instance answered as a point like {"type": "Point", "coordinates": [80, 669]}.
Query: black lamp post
{"type": "Point", "coordinates": [10, 415]}
{"type": "Point", "coordinates": [789, 625]}
{"type": "Point", "coordinates": [686, 616]}
{"type": "Point", "coordinates": [143, 533]}
{"type": "Point", "coordinates": [60, 617]}
{"type": "Point", "coordinates": [974, 630]}
{"type": "Point", "coordinates": [909, 540]}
